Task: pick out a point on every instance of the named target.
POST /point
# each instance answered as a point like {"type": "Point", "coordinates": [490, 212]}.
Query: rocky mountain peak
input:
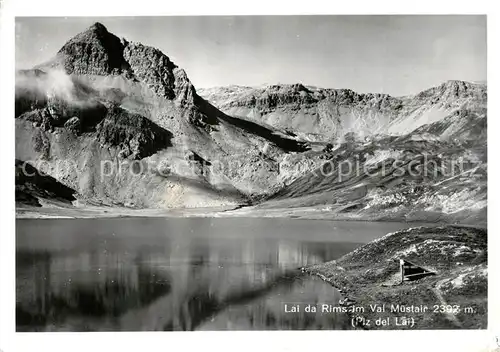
{"type": "Point", "coordinates": [99, 27]}
{"type": "Point", "coordinates": [457, 88]}
{"type": "Point", "coordinates": [96, 51]}
{"type": "Point", "coordinates": [93, 51]}
{"type": "Point", "coordinates": [97, 30]}
{"type": "Point", "coordinates": [454, 89]}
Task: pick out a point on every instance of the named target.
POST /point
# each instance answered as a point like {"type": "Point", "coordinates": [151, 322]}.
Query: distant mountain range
{"type": "Point", "coordinates": [322, 114]}
{"type": "Point", "coordinates": [103, 101]}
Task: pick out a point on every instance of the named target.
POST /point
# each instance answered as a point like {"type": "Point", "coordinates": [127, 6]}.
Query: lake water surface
{"type": "Point", "coordinates": [130, 274]}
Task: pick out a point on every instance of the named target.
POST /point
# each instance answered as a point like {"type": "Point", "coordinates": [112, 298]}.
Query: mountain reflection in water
{"type": "Point", "coordinates": [133, 274]}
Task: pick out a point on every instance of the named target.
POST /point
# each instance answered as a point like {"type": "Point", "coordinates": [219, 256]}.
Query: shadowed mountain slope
{"type": "Point", "coordinates": [32, 187]}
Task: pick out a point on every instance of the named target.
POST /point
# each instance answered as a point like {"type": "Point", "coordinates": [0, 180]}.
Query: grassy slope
{"type": "Point", "coordinates": [370, 275]}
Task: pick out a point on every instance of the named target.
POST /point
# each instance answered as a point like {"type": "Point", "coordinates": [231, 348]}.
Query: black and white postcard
{"type": "Point", "coordinates": [242, 173]}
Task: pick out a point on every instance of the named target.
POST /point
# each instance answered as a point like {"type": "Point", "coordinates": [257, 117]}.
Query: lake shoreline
{"type": "Point", "coordinates": [356, 258]}
{"type": "Point", "coordinates": [217, 212]}
{"type": "Point", "coordinates": [369, 279]}
{"type": "Point", "coordinates": [156, 274]}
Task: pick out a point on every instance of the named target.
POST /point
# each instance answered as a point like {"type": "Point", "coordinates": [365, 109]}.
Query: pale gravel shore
{"type": "Point", "coordinates": [305, 213]}
{"type": "Point", "coordinates": [104, 212]}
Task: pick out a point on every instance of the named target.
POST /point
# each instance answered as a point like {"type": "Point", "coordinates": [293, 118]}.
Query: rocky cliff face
{"type": "Point", "coordinates": [94, 51]}
{"type": "Point", "coordinates": [152, 67]}
{"type": "Point", "coordinates": [136, 136]}
{"type": "Point", "coordinates": [313, 113]}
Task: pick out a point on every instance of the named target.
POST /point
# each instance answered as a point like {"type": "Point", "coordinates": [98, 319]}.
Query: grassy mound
{"type": "Point", "coordinates": [456, 297]}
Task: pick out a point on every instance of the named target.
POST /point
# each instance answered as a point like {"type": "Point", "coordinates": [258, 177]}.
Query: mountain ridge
{"type": "Point", "coordinates": [448, 83]}
{"type": "Point", "coordinates": [277, 106]}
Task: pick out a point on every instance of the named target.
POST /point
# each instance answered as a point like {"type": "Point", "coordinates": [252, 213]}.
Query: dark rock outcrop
{"type": "Point", "coordinates": [74, 125]}
{"type": "Point", "coordinates": [31, 185]}
{"type": "Point", "coordinates": [136, 136]}
{"type": "Point", "coordinates": [28, 99]}
{"type": "Point", "coordinates": [56, 113]}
